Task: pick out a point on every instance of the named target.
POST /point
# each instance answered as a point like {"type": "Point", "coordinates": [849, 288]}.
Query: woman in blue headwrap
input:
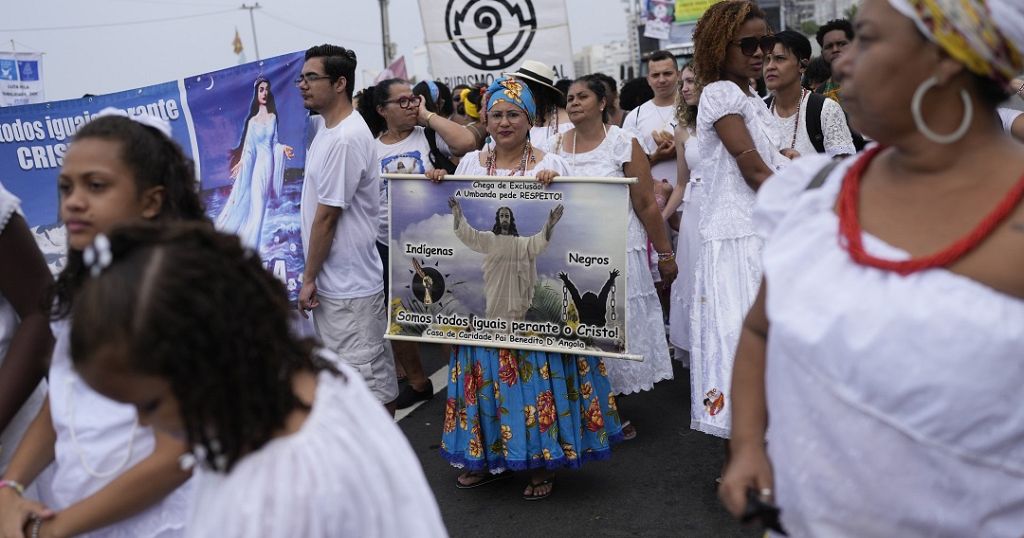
{"type": "Point", "coordinates": [885, 344]}
{"type": "Point", "coordinates": [511, 410]}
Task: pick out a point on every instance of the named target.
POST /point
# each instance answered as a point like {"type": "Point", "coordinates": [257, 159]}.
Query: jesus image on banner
{"type": "Point", "coordinates": [510, 267]}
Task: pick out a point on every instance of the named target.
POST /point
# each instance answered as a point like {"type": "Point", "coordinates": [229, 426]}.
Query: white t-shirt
{"type": "Point", "coordinates": [342, 170]}
{"type": "Point", "coordinates": [410, 156]}
{"type": "Point", "coordinates": [645, 119]}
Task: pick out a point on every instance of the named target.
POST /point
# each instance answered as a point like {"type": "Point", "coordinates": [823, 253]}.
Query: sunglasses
{"type": "Point", "coordinates": [749, 45]}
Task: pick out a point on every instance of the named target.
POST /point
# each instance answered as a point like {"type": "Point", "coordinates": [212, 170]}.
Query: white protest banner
{"type": "Point", "coordinates": [505, 262]}
{"type": "Point", "coordinates": [471, 41]}
{"type": "Point", "coordinates": [21, 78]}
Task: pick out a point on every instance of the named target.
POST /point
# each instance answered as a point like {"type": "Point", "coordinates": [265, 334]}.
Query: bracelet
{"type": "Point", "coordinates": [666, 256]}
{"type": "Point", "coordinates": [37, 523]}
{"type": "Point", "coordinates": [1021, 89]}
{"type": "Point", "coordinates": [13, 484]}
{"type": "Point", "coordinates": [744, 152]}
{"type": "Point", "coordinates": [431, 115]}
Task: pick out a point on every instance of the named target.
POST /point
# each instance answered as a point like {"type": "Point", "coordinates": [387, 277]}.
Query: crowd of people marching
{"type": "Point", "coordinates": [160, 385]}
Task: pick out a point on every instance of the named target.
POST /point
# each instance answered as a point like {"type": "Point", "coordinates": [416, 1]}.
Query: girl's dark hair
{"type": "Point", "coordinates": [715, 29]}
{"type": "Point", "coordinates": [254, 107]}
{"type": "Point", "coordinates": [373, 97]}
{"type": "Point", "coordinates": [546, 98]}
{"type": "Point", "coordinates": [155, 161]}
{"type": "Point", "coordinates": [193, 306]}
{"type": "Point", "coordinates": [444, 97]}
{"type": "Point", "coordinates": [596, 85]}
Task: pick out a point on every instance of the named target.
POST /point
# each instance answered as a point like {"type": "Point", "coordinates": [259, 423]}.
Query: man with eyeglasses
{"type": "Point", "coordinates": [833, 37]}
{"type": "Point", "coordinates": [342, 284]}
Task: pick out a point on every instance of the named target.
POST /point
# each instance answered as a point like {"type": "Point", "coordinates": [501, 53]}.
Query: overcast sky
{"type": "Point", "coordinates": [101, 59]}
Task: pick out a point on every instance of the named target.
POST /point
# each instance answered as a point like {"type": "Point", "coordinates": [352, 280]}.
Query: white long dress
{"type": "Point", "coordinates": [894, 401]}
{"type": "Point", "coordinates": [262, 173]}
{"type": "Point", "coordinates": [729, 267]}
{"type": "Point", "coordinates": [10, 436]}
{"type": "Point", "coordinates": [348, 471]}
{"type": "Point", "coordinates": [645, 333]}
{"type": "Point", "coordinates": [97, 440]}
{"type": "Point", "coordinates": [687, 249]}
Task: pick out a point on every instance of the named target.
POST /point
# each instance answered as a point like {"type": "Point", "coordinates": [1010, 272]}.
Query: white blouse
{"type": "Point", "coordinates": [838, 140]}
{"type": "Point", "coordinates": [894, 401]}
{"type": "Point", "coordinates": [348, 471]}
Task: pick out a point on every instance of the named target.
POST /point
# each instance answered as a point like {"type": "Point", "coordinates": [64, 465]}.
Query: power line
{"type": "Point", "coordinates": [125, 23]}
{"type": "Point", "coordinates": [282, 20]}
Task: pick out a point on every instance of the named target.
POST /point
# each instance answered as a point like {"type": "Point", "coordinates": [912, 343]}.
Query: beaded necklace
{"type": "Point", "coordinates": [851, 233]}
{"type": "Point", "coordinates": [528, 157]}
{"type": "Point", "coordinates": [796, 117]}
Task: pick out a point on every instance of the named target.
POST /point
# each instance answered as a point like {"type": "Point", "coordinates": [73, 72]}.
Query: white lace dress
{"type": "Point", "coordinates": [348, 471]}
{"type": "Point", "coordinates": [97, 440]}
{"type": "Point", "coordinates": [894, 401]}
{"type": "Point", "coordinates": [687, 249]}
{"type": "Point", "coordinates": [836, 133]}
{"type": "Point", "coordinates": [729, 266]}
{"type": "Point", "coordinates": [645, 333]}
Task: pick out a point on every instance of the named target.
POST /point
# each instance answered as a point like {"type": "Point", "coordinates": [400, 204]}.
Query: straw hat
{"type": "Point", "coordinates": [537, 72]}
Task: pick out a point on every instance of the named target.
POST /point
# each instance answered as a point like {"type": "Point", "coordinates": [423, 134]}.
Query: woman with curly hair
{"type": "Point", "coordinates": [736, 143]}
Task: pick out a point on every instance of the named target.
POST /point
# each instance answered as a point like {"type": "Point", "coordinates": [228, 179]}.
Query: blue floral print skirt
{"type": "Point", "coordinates": [519, 410]}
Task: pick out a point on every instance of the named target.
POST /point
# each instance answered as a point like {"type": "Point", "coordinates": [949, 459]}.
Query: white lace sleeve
{"type": "Point", "coordinates": [622, 148]}
{"type": "Point", "coordinates": [838, 140]}
{"type": "Point", "coordinates": [717, 100]}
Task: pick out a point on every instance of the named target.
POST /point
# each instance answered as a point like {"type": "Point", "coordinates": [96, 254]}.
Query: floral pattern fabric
{"type": "Point", "coordinates": [518, 410]}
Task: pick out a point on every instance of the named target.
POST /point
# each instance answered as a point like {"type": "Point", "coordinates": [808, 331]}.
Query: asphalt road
{"type": "Point", "coordinates": [660, 484]}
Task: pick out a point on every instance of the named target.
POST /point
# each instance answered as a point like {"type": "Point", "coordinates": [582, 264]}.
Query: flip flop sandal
{"type": "Point", "coordinates": [632, 431]}
{"type": "Point", "coordinates": [535, 485]}
{"type": "Point", "coordinates": [487, 479]}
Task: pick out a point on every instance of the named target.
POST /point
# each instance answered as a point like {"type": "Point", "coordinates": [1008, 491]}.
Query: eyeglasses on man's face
{"type": "Point", "coordinates": [310, 78]}
{"type": "Point", "coordinates": [749, 45]}
{"type": "Point", "coordinates": [405, 102]}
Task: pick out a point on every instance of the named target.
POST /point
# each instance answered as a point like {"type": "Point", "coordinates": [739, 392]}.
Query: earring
{"type": "Point", "coordinates": [915, 110]}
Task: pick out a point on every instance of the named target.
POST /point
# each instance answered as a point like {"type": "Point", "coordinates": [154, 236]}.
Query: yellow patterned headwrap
{"type": "Point", "coordinates": [981, 34]}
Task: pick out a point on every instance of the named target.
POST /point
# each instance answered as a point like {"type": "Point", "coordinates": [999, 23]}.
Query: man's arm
{"type": "Point", "coordinates": [608, 285]}
{"type": "Point", "coordinates": [576, 299]}
{"type": "Point", "coordinates": [321, 237]}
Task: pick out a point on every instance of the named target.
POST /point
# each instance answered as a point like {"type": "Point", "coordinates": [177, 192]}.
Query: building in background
{"type": "Point", "coordinates": [609, 58]}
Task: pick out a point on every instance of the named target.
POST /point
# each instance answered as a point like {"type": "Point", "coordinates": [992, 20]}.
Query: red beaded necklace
{"type": "Point", "coordinates": [851, 233]}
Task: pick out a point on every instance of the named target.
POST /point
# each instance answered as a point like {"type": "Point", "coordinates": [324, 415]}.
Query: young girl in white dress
{"type": "Point", "coordinates": [112, 475]}
{"type": "Point", "coordinates": [287, 440]}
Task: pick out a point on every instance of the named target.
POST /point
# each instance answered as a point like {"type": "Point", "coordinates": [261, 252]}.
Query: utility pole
{"type": "Point", "coordinates": [385, 32]}
{"type": "Point", "coordinates": [252, 21]}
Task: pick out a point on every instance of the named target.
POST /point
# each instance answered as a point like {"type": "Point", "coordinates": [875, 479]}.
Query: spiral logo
{"type": "Point", "coordinates": [490, 34]}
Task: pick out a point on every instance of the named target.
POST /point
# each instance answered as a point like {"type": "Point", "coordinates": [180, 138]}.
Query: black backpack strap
{"type": "Point", "coordinates": [815, 102]}
{"type": "Point", "coordinates": [769, 100]}
{"type": "Point", "coordinates": [437, 158]}
{"type": "Point", "coordinates": [822, 175]}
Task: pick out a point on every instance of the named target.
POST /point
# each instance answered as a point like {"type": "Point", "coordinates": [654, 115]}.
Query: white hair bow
{"type": "Point", "coordinates": [155, 122]}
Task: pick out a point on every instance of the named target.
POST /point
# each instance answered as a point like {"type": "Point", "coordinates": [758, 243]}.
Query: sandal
{"type": "Point", "coordinates": [628, 431]}
{"type": "Point", "coordinates": [485, 478]}
{"type": "Point", "coordinates": [533, 487]}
